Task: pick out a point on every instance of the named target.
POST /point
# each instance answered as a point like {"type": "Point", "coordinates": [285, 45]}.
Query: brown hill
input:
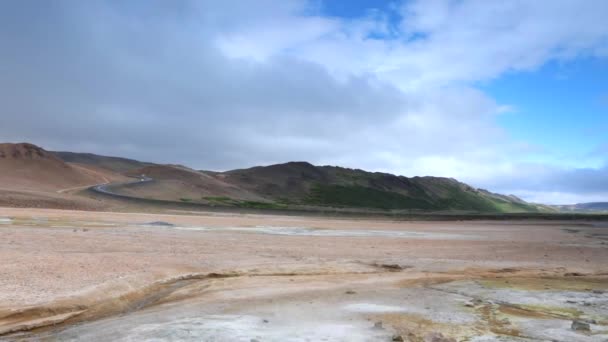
{"type": "Point", "coordinates": [290, 180]}
{"type": "Point", "coordinates": [179, 183]}
{"type": "Point", "coordinates": [115, 164]}
{"type": "Point", "coordinates": [28, 167]}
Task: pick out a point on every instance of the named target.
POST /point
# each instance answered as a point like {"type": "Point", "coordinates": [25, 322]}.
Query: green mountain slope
{"type": "Point", "coordinates": [305, 184]}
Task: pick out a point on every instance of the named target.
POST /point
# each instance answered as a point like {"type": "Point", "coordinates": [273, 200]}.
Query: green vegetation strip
{"type": "Point", "coordinates": [362, 197]}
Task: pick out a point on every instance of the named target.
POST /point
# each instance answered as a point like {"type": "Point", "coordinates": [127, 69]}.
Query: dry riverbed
{"type": "Point", "coordinates": [90, 276]}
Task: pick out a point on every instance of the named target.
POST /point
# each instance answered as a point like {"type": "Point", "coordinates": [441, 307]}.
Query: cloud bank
{"type": "Point", "coordinates": [220, 85]}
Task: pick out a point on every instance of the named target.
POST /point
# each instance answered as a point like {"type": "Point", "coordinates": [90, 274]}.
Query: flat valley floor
{"type": "Point", "coordinates": [179, 276]}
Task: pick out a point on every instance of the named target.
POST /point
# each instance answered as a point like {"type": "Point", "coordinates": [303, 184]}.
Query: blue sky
{"type": "Point", "coordinates": [511, 96]}
{"type": "Point", "coordinates": [355, 8]}
{"type": "Point", "coordinates": [561, 108]}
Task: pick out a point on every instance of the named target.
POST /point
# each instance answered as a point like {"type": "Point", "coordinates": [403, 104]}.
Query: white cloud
{"type": "Point", "coordinates": [232, 84]}
{"type": "Point", "coordinates": [438, 42]}
{"type": "Point", "coordinates": [555, 197]}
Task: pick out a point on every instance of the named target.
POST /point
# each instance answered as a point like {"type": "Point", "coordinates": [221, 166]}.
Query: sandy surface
{"type": "Point", "coordinates": [226, 277]}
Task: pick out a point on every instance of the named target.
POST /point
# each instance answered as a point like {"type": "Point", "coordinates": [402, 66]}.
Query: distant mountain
{"type": "Point", "coordinates": [115, 164]}
{"type": "Point", "coordinates": [585, 207]}
{"type": "Point", "coordinates": [288, 185]}
{"type": "Point", "coordinates": [593, 206]}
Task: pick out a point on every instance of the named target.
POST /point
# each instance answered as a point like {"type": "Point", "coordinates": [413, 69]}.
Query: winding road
{"type": "Point", "coordinates": [103, 188]}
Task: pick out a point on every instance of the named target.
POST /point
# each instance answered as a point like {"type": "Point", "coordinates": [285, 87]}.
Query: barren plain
{"type": "Point", "coordinates": [95, 276]}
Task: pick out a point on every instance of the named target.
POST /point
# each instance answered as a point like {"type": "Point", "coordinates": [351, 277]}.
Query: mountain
{"type": "Point", "coordinates": [302, 183]}
{"type": "Point", "coordinates": [115, 164]}
{"type": "Point", "coordinates": [289, 185]}
{"type": "Point", "coordinates": [28, 167]}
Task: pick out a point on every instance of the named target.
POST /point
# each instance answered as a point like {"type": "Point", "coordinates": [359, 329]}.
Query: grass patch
{"type": "Point", "coordinates": [509, 207]}
{"type": "Point", "coordinates": [222, 200]}
{"type": "Point", "coordinates": [217, 198]}
{"type": "Point", "coordinates": [261, 205]}
{"type": "Point", "coordinates": [462, 200]}
{"type": "Point", "coordinates": [362, 197]}
{"type": "Point", "coordinates": [456, 198]}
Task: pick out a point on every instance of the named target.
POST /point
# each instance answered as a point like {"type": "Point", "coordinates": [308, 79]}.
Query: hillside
{"type": "Point", "coordinates": [302, 183]}
{"type": "Point", "coordinates": [288, 185]}
{"type": "Point", "coordinates": [28, 167]}
{"type": "Point", "coordinates": [115, 164]}
{"type": "Point", "coordinates": [179, 183]}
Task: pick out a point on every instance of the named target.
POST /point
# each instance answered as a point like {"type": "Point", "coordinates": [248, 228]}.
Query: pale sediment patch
{"type": "Point", "coordinates": [545, 313]}
{"type": "Point", "coordinates": [320, 309]}
{"type": "Point", "coordinates": [559, 330]}
{"type": "Point", "coordinates": [38, 318]}
{"type": "Point", "coordinates": [5, 220]}
{"type": "Point", "coordinates": [305, 231]}
{"type": "Point", "coordinates": [373, 308]}
{"type": "Point", "coordinates": [568, 303]}
{"type": "Point", "coordinates": [99, 302]}
{"type": "Point", "coordinates": [121, 298]}
{"type": "Point", "coordinates": [250, 328]}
